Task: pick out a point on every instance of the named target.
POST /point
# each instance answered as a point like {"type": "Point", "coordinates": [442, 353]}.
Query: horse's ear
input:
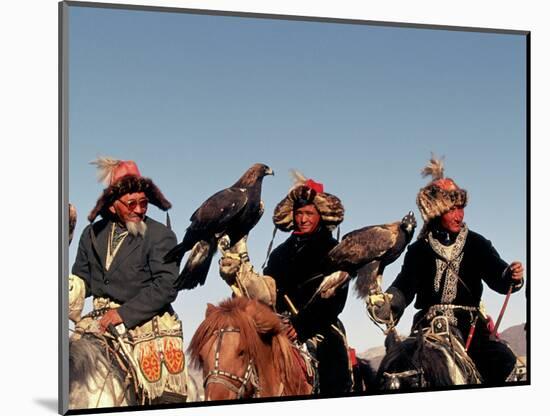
{"type": "Point", "coordinates": [209, 309]}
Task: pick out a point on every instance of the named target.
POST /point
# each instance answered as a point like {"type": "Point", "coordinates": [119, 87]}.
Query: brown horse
{"type": "Point", "coordinates": [243, 352]}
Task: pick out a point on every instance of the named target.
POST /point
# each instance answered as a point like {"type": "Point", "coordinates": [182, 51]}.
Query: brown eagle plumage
{"type": "Point", "coordinates": [367, 251]}
{"type": "Point", "coordinates": [230, 213]}
{"type": "Point", "coordinates": [72, 221]}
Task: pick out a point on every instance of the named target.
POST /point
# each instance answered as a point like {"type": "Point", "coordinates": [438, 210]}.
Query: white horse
{"type": "Point", "coordinates": [98, 377]}
{"type": "Point", "coordinates": [95, 381]}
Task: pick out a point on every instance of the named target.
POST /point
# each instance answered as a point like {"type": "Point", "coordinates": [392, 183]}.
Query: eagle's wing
{"type": "Point", "coordinates": [364, 245]}
{"type": "Point", "coordinates": [219, 209]}
{"type": "Point", "coordinates": [260, 213]}
{"type": "Point", "coordinates": [374, 241]}
{"type": "Point", "coordinates": [209, 219]}
{"type": "Point", "coordinates": [330, 283]}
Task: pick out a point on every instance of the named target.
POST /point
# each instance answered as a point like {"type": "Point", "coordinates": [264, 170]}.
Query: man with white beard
{"type": "Point", "coordinates": [119, 262]}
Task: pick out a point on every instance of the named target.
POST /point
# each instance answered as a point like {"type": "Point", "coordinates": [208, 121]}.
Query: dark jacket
{"type": "Point", "coordinates": [138, 278]}
{"type": "Point", "coordinates": [292, 265]}
{"type": "Point", "coordinates": [480, 263]}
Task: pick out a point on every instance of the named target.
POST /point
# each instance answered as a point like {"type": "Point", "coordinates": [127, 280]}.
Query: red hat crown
{"type": "Point", "coordinates": [122, 169]}
{"type": "Point", "coordinates": [316, 186]}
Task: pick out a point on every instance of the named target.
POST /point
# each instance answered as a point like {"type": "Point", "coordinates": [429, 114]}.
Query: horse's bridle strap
{"type": "Point", "coordinates": [402, 374]}
{"type": "Point", "coordinates": [223, 377]}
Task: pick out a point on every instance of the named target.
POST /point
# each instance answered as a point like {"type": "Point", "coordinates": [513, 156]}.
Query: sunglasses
{"type": "Point", "coordinates": [132, 204]}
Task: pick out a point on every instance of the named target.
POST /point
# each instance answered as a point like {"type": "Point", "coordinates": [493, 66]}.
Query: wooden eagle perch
{"type": "Point", "coordinates": [225, 218]}
{"type": "Point", "coordinates": [367, 251]}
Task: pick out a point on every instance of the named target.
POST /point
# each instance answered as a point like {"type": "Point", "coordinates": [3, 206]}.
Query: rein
{"type": "Point", "coordinates": [113, 358]}
{"type": "Point", "coordinates": [225, 378]}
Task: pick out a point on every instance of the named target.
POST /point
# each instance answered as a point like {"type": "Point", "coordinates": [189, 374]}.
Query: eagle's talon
{"type": "Point", "coordinates": [224, 243]}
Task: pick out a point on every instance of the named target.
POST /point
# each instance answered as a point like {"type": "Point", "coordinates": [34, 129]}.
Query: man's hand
{"type": "Point", "coordinates": [289, 329]}
{"type": "Point", "coordinates": [515, 271]}
{"type": "Point", "coordinates": [111, 317]}
{"type": "Point", "coordinates": [379, 307]}
{"type": "Point", "coordinates": [229, 267]}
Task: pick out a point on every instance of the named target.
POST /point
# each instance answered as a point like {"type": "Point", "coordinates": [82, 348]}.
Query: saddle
{"type": "Point", "coordinates": [151, 353]}
{"type": "Point", "coordinates": [306, 362]}
{"type": "Point", "coordinates": [442, 335]}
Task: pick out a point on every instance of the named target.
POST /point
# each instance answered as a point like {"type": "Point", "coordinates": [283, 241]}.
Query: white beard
{"type": "Point", "coordinates": [136, 228]}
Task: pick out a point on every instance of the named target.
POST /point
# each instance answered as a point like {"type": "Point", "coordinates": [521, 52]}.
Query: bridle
{"type": "Point", "coordinates": [225, 378]}
{"type": "Point", "coordinates": [417, 377]}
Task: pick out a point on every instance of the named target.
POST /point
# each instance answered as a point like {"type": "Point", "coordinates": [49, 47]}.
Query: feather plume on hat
{"type": "Point", "coordinates": [298, 178]}
{"type": "Point", "coordinates": [105, 168]}
{"type": "Point", "coordinates": [434, 168]}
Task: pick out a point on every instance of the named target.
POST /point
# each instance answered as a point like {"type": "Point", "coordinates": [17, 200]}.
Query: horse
{"type": "Point", "coordinates": [95, 380]}
{"type": "Point", "coordinates": [426, 359]}
{"type": "Point", "coordinates": [363, 376]}
{"type": "Point", "coordinates": [243, 352]}
{"type": "Point", "coordinates": [99, 376]}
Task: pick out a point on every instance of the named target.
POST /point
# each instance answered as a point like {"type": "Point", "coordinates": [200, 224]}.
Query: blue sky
{"type": "Point", "coordinates": [195, 100]}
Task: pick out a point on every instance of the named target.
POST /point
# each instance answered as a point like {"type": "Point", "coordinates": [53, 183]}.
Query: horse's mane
{"type": "Point", "coordinates": [85, 357]}
{"type": "Point", "coordinates": [414, 354]}
{"type": "Point", "coordinates": [260, 327]}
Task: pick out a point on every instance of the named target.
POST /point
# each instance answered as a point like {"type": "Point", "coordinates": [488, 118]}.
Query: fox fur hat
{"type": "Point", "coordinates": [441, 194]}
{"type": "Point", "coordinates": [123, 177]}
{"type": "Point", "coordinates": [306, 191]}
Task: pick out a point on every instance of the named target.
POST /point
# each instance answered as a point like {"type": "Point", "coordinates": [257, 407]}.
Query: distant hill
{"type": "Point", "coordinates": [374, 355]}
{"type": "Point", "coordinates": [514, 336]}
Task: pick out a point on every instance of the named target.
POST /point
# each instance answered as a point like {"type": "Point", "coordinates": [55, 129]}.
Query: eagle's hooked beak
{"type": "Point", "coordinates": [269, 171]}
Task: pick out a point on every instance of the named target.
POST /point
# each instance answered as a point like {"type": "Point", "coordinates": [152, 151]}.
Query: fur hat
{"type": "Point", "coordinates": [303, 192]}
{"type": "Point", "coordinates": [123, 177]}
{"type": "Point", "coordinates": [441, 194]}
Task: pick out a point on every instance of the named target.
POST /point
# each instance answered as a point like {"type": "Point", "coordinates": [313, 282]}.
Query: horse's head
{"type": "Point", "coordinates": [426, 360]}
{"type": "Point", "coordinates": [229, 370]}
{"type": "Point", "coordinates": [226, 346]}
{"type": "Point", "coordinates": [243, 353]}
{"type": "Point", "coordinates": [399, 369]}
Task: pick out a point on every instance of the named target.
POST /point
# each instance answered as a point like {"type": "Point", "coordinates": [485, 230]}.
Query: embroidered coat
{"type": "Point", "coordinates": [138, 279]}
{"type": "Point", "coordinates": [458, 280]}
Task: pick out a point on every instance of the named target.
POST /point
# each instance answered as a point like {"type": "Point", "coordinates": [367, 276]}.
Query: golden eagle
{"type": "Point", "coordinates": [72, 221]}
{"type": "Point", "coordinates": [367, 251]}
{"type": "Point", "coordinates": [229, 214]}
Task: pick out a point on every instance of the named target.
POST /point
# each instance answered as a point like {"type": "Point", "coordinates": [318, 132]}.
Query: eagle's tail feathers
{"type": "Point", "coordinates": [197, 266]}
{"type": "Point", "coordinates": [367, 279]}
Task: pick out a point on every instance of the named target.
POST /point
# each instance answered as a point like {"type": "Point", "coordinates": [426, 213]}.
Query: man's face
{"type": "Point", "coordinates": [130, 207]}
{"type": "Point", "coordinates": [452, 220]}
{"type": "Point", "coordinates": [306, 219]}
